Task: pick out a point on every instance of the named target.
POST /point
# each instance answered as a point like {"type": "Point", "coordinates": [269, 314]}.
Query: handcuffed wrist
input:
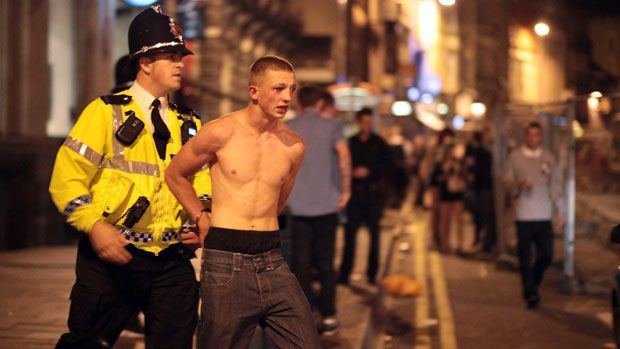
{"type": "Point", "coordinates": [199, 215]}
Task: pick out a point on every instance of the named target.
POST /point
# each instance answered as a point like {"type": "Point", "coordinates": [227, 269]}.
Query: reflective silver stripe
{"type": "Point", "coordinates": [84, 150]}
{"type": "Point", "coordinates": [116, 123]}
{"type": "Point", "coordinates": [204, 167]}
{"type": "Point", "coordinates": [159, 45]}
{"type": "Point", "coordinates": [75, 204]}
{"type": "Point", "coordinates": [131, 166]}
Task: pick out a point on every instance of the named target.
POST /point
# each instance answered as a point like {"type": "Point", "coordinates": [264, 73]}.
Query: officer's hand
{"type": "Point", "coordinates": [190, 237]}
{"type": "Point", "coordinates": [109, 244]}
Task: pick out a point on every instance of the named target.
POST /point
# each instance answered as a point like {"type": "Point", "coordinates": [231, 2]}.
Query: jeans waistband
{"type": "Point", "coordinates": [266, 260]}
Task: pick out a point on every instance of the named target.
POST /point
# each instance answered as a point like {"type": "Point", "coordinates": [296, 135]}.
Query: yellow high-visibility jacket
{"type": "Point", "coordinates": [96, 177]}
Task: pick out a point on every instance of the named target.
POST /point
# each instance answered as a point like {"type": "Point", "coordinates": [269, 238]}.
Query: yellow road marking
{"type": "Point", "coordinates": [447, 335]}
{"type": "Point", "coordinates": [423, 339]}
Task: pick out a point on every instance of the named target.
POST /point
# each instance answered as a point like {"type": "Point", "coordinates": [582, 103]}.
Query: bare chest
{"type": "Point", "coordinates": [247, 159]}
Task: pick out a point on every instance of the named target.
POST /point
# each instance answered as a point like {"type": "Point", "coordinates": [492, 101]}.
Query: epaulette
{"type": "Point", "coordinates": [183, 110]}
{"type": "Point", "coordinates": [116, 99]}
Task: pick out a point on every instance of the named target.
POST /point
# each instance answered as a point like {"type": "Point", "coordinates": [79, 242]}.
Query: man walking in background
{"type": "Point", "coordinates": [322, 190]}
{"type": "Point", "coordinates": [534, 176]}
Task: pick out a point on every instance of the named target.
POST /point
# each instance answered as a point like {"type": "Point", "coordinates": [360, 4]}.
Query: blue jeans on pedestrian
{"type": "Point", "coordinates": [239, 291]}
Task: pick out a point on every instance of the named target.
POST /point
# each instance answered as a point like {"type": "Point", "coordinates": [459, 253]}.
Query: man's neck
{"type": "Point", "coordinates": [151, 87]}
{"type": "Point", "coordinates": [258, 121]}
{"type": "Point", "coordinates": [364, 137]}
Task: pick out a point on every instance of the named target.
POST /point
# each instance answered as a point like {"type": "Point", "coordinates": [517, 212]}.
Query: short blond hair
{"type": "Point", "coordinates": [261, 65]}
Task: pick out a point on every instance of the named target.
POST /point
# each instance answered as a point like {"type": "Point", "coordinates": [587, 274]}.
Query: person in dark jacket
{"type": "Point", "coordinates": [370, 157]}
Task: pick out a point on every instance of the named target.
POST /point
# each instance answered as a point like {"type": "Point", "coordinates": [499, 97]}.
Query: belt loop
{"type": "Point", "coordinates": [269, 260]}
{"type": "Point", "coordinates": [237, 261]}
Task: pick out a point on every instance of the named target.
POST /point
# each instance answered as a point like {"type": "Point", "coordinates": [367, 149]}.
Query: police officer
{"type": "Point", "coordinates": [108, 181]}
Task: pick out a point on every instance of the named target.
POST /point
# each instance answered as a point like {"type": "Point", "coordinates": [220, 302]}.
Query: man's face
{"type": "Point", "coordinates": [533, 137]}
{"type": "Point", "coordinates": [273, 92]}
{"type": "Point", "coordinates": [164, 70]}
{"type": "Point", "coordinates": [365, 124]}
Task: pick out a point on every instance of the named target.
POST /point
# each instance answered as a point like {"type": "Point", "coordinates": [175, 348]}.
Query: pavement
{"type": "Point", "coordinates": [466, 302]}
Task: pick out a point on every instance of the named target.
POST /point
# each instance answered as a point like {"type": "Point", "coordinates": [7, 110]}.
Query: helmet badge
{"type": "Point", "coordinates": [176, 30]}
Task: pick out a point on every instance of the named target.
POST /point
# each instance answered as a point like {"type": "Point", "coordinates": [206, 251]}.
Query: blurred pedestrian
{"type": "Point", "coordinates": [480, 162]}
{"type": "Point", "coordinates": [107, 181]}
{"type": "Point", "coordinates": [398, 178]}
{"type": "Point", "coordinates": [254, 160]}
{"type": "Point", "coordinates": [125, 72]}
{"type": "Point", "coordinates": [450, 178]}
{"type": "Point", "coordinates": [534, 176]}
{"type": "Point", "coordinates": [327, 107]}
{"type": "Point", "coordinates": [322, 189]}
{"type": "Point", "coordinates": [370, 158]}
{"type": "Point", "coordinates": [434, 159]}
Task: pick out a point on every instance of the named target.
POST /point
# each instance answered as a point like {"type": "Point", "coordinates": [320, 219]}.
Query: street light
{"type": "Point", "coordinates": [542, 29]}
{"type": "Point", "coordinates": [478, 109]}
{"type": "Point", "coordinates": [447, 2]}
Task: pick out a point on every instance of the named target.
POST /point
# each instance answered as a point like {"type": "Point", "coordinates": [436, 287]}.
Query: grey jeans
{"type": "Point", "coordinates": [239, 291]}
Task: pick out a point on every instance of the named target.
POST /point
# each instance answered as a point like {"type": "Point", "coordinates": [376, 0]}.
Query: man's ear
{"type": "Point", "coordinates": [253, 92]}
{"type": "Point", "coordinates": [145, 64]}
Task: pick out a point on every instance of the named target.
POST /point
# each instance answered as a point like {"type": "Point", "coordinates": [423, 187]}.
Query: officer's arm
{"type": "Point", "coordinates": [77, 164]}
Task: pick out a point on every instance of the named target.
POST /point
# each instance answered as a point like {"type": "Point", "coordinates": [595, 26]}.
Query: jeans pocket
{"type": "Point", "coordinates": [216, 273]}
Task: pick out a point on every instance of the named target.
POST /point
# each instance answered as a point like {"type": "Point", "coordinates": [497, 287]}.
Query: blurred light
{"type": "Point", "coordinates": [596, 94]}
{"type": "Point", "coordinates": [442, 108]}
{"type": "Point", "coordinates": [401, 108]}
{"type": "Point", "coordinates": [478, 109]}
{"type": "Point", "coordinates": [593, 103]}
{"type": "Point", "coordinates": [413, 94]}
{"type": "Point", "coordinates": [429, 119]}
{"type": "Point", "coordinates": [246, 45]}
{"type": "Point", "coordinates": [140, 2]}
{"type": "Point", "coordinates": [577, 129]}
{"type": "Point", "coordinates": [458, 122]}
{"type": "Point", "coordinates": [447, 2]}
{"type": "Point", "coordinates": [428, 23]}
{"type": "Point", "coordinates": [427, 98]}
{"type": "Point", "coordinates": [342, 2]}
{"type": "Point", "coordinates": [430, 83]}
{"type": "Point", "coordinates": [542, 29]}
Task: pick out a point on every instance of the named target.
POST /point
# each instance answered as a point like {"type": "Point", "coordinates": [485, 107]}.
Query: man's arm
{"type": "Point", "coordinates": [197, 152]}
{"type": "Point", "coordinates": [344, 165]}
{"type": "Point", "coordinates": [297, 159]}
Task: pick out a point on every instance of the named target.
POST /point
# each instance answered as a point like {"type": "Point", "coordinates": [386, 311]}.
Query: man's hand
{"type": "Point", "coordinates": [360, 172]}
{"type": "Point", "coordinates": [342, 201]}
{"type": "Point", "coordinates": [195, 234]}
{"type": "Point", "coordinates": [109, 244]}
{"type": "Point", "coordinates": [559, 222]}
{"type": "Point", "coordinates": [525, 185]}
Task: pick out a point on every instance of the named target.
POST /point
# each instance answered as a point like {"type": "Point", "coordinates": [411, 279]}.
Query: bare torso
{"type": "Point", "coordinates": [248, 172]}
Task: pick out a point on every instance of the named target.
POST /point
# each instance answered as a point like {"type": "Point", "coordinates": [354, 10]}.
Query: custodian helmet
{"type": "Point", "coordinates": [151, 31]}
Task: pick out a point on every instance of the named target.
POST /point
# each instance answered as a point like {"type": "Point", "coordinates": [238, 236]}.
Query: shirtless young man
{"type": "Point", "coordinates": [254, 159]}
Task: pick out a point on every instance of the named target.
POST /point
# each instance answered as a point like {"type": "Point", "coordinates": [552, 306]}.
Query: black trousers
{"type": "Point", "coordinates": [314, 240]}
{"type": "Point", "coordinates": [484, 209]}
{"type": "Point", "coordinates": [105, 296]}
{"type": "Point", "coordinates": [540, 235]}
{"type": "Point", "coordinates": [364, 207]}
